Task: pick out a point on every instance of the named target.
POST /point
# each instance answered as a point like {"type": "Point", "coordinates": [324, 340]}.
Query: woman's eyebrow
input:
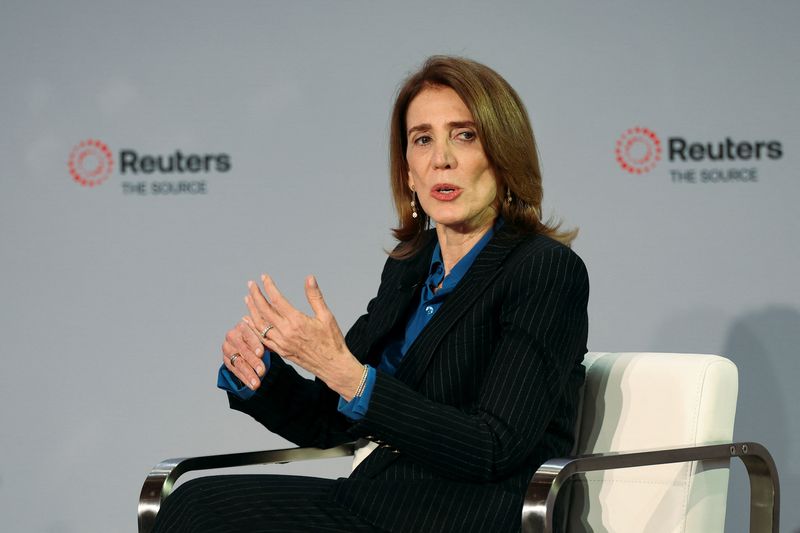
{"type": "Point", "coordinates": [451, 125]}
{"type": "Point", "coordinates": [418, 127]}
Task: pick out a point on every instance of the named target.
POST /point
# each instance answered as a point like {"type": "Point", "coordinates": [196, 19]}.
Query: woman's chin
{"type": "Point", "coordinates": [447, 220]}
{"type": "Point", "coordinates": [460, 221]}
{"type": "Point", "coordinates": [459, 225]}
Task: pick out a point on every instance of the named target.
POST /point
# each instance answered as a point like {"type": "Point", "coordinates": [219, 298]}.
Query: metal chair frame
{"type": "Point", "coordinates": [543, 490]}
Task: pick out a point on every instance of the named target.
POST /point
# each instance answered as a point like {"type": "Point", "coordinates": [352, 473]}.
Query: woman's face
{"type": "Point", "coordinates": [446, 163]}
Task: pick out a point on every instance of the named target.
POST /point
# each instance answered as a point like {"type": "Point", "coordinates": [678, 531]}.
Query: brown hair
{"type": "Point", "coordinates": [506, 135]}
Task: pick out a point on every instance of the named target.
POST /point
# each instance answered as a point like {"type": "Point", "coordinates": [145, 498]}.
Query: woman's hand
{"type": "Point", "coordinates": [241, 354]}
{"type": "Point", "coordinates": [314, 342]}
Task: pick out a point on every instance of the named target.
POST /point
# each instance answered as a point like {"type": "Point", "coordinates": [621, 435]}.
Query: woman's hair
{"type": "Point", "coordinates": [507, 138]}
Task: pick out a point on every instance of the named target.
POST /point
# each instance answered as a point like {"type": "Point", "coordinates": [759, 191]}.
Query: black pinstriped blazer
{"type": "Point", "coordinates": [487, 392]}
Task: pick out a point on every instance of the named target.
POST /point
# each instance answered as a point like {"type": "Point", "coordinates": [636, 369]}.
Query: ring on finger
{"type": "Point", "coordinates": [266, 330]}
{"type": "Point", "coordinates": [234, 357]}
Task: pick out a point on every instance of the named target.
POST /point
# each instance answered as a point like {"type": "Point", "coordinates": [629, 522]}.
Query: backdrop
{"type": "Point", "coordinates": [156, 156]}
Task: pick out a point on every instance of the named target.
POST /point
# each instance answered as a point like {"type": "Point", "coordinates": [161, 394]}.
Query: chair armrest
{"type": "Point", "coordinates": [540, 499]}
{"type": "Point", "coordinates": [159, 482]}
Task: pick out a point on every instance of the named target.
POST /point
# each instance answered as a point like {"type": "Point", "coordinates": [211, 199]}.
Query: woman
{"type": "Point", "coordinates": [464, 373]}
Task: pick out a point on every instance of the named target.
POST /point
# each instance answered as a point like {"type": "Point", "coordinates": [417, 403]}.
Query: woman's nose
{"type": "Point", "coordinates": [443, 157]}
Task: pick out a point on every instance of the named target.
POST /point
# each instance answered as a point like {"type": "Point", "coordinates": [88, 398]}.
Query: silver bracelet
{"type": "Point", "coordinates": [362, 383]}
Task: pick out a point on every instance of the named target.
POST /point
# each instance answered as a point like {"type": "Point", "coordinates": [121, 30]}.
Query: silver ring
{"type": "Point", "coordinates": [234, 357]}
{"type": "Point", "coordinates": [266, 330]}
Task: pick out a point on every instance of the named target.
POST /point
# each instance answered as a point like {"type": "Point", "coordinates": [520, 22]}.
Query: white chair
{"type": "Point", "coordinates": [682, 405]}
{"type": "Point", "coordinates": [652, 454]}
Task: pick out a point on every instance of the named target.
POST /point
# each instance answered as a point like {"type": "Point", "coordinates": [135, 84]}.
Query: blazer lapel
{"type": "Point", "coordinates": [486, 267]}
{"type": "Point", "coordinates": [396, 300]}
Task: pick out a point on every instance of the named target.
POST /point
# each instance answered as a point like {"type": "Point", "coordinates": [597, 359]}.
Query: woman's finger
{"type": "Point", "coordinates": [315, 298]}
{"type": "Point", "coordinates": [255, 349]}
{"type": "Point", "coordinates": [239, 365]}
{"type": "Point", "coordinates": [261, 310]}
{"type": "Point", "coordinates": [270, 340]}
{"type": "Point", "coordinates": [259, 328]}
{"type": "Point", "coordinates": [274, 347]}
{"type": "Point", "coordinates": [259, 333]}
{"type": "Point", "coordinates": [279, 303]}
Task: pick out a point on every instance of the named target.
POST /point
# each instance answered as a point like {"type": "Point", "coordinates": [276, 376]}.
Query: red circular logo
{"type": "Point", "coordinates": [90, 163]}
{"type": "Point", "coordinates": [638, 150]}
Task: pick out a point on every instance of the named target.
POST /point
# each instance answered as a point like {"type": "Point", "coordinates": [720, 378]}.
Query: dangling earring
{"type": "Point", "coordinates": [508, 196]}
{"type": "Point", "coordinates": [413, 203]}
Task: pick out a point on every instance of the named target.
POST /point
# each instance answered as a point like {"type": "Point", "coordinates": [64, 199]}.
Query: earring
{"type": "Point", "coordinates": [508, 196]}
{"type": "Point", "coordinates": [413, 204]}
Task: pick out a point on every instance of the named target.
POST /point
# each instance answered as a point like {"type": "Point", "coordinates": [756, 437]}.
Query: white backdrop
{"type": "Point", "coordinates": [114, 302]}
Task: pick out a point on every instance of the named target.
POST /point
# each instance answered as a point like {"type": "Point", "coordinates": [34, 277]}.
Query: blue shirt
{"type": "Point", "coordinates": [430, 302]}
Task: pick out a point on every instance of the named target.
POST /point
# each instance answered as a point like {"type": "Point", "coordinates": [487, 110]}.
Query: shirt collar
{"type": "Point", "coordinates": [436, 271]}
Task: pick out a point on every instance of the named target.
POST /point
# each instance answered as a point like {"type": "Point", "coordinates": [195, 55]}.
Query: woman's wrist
{"type": "Point", "coordinates": [362, 382]}
{"type": "Point", "coordinates": [352, 383]}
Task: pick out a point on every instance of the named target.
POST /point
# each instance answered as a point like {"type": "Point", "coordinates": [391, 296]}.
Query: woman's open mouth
{"type": "Point", "coordinates": [445, 192]}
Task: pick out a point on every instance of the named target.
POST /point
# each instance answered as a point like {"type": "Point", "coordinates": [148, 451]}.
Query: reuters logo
{"type": "Point", "coordinates": [638, 150]}
{"type": "Point", "coordinates": [90, 163]}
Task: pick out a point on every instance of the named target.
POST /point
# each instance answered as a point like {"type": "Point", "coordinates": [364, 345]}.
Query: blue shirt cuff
{"type": "Point", "coordinates": [229, 382]}
{"type": "Point", "coordinates": [356, 408]}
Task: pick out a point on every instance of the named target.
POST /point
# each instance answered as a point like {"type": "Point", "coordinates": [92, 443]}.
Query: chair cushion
{"type": "Point", "coordinates": [641, 401]}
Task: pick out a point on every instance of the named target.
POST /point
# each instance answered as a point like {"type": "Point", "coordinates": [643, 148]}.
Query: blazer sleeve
{"type": "Point", "coordinates": [543, 333]}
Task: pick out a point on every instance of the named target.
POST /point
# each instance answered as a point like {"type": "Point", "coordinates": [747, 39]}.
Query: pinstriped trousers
{"type": "Point", "coordinates": [256, 503]}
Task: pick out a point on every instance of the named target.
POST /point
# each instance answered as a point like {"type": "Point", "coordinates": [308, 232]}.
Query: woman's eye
{"type": "Point", "coordinates": [467, 135]}
{"type": "Point", "coordinates": [422, 140]}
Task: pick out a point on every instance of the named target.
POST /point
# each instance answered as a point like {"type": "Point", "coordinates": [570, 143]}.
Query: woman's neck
{"type": "Point", "coordinates": [455, 243]}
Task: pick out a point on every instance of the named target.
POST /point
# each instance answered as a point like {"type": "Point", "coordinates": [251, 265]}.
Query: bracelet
{"type": "Point", "coordinates": [362, 383]}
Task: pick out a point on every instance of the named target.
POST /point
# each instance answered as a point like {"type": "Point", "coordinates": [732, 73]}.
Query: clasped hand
{"type": "Point", "coordinates": [313, 342]}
